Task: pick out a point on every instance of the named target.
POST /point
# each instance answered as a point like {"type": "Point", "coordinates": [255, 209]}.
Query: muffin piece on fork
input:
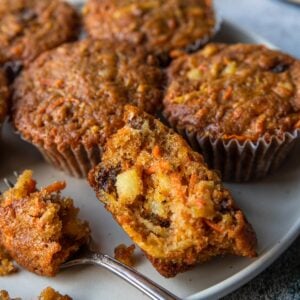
{"type": "Point", "coordinates": [166, 199]}
{"type": "Point", "coordinates": [40, 228]}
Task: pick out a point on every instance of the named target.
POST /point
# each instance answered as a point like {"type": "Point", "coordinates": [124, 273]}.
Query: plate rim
{"type": "Point", "coordinates": [243, 276]}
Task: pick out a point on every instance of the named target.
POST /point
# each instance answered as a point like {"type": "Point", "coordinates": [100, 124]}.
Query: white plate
{"type": "Point", "coordinates": [272, 206]}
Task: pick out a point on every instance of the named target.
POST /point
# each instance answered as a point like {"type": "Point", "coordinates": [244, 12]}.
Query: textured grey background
{"type": "Point", "coordinates": [272, 19]}
{"type": "Point", "coordinates": [279, 23]}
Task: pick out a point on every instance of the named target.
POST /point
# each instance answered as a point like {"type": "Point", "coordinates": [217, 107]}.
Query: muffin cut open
{"type": "Point", "coordinates": [166, 199]}
{"type": "Point", "coordinates": [40, 228]}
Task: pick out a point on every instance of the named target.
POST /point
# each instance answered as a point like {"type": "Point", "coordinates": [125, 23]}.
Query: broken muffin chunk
{"type": "Point", "coordinates": [124, 254]}
{"type": "Point", "coordinates": [166, 199]}
{"type": "Point", "coordinates": [40, 228]}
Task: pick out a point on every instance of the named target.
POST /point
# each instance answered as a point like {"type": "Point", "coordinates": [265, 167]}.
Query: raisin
{"type": "Point", "coordinates": [155, 219]}
{"type": "Point", "coordinates": [279, 68]}
{"type": "Point", "coordinates": [136, 123]}
{"type": "Point", "coordinates": [224, 207]}
{"type": "Point", "coordinates": [28, 15]}
{"type": "Point", "coordinates": [12, 70]}
{"type": "Point", "coordinates": [107, 178]}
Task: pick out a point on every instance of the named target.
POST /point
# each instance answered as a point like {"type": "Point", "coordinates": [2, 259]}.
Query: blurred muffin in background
{"type": "Point", "coordinates": [70, 100]}
{"type": "Point", "coordinates": [162, 26]}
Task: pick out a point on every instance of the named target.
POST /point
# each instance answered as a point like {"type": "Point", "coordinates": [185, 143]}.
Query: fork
{"type": "Point", "coordinates": [90, 255]}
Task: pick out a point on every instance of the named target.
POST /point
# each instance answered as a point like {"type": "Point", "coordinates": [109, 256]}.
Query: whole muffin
{"type": "Point", "coordinates": [166, 199]}
{"type": "Point", "coordinates": [70, 100]}
{"type": "Point", "coordinates": [239, 104]}
{"type": "Point", "coordinates": [29, 27]}
{"type": "Point", "coordinates": [3, 96]}
{"type": "Point", "coordinates": [159, 25]}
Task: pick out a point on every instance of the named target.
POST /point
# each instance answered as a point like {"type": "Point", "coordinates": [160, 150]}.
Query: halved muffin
{"type": "Point", "coordinates": [166, 199]}
{"type": "Point", "coordinates": [40, 228]}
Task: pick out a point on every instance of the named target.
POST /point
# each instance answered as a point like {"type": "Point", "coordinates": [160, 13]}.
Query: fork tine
{"type": "Point", "coordinates": [16, 174]}
{"type": "Point", "coordinates": [8, 183]}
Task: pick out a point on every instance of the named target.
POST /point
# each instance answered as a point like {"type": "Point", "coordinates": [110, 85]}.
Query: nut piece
{"type": "Point", "coordinates": [129, 185]}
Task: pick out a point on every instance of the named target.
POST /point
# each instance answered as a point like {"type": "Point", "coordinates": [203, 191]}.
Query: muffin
{"type": "Point", "coordinates": [238, 104]}
{"type": "Point", "coordinates": [166, 199]}
{"type": "Point", "coordinates": [28, 28]}
{"type": "Point", "coordinates": [3, 96]}
{"type": "Point", "coordinates": [125, 254]}
{"type": "Point", "coordinates": [39, 228]}
{"type": "Point", "coordinates": [71, 99]}
{"type": "Point", "coordinates": [161, 26]}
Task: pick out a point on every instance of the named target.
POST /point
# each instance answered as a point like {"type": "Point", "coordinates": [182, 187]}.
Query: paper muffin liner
{"type": "Point", "coordinates": [241, 161]}
{"type": "Point", "coordinates": [77, 162]}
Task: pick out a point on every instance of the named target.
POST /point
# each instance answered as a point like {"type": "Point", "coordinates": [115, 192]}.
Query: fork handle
{"type": "Point", "coordinates": [141, 282]}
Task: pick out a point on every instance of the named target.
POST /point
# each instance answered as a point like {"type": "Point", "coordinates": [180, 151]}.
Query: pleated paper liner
{"type": "Point", "coordinates": [77, 162]}
{"type": "Point", "coordinates": [241, 161]}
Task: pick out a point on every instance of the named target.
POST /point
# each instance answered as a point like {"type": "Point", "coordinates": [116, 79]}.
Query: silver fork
{"type": "Point", "coordinates": [90, 255]}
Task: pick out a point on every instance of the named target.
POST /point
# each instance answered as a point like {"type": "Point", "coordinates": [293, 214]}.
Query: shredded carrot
{"type": "Point", "coordinates": [193, 181]}
{"type": "Point", "coordinates": [164, 165]}
{"type": "Point", "coordinates": [156, 151]}
{"type": "Point", "coordinates": [228, 93]}
{"type": "Point", "coordinates": [55, 187]}
{"type": "Point", "coordinates": [213, 226]}
{"type": "Point", "coordinates": [150, 170]}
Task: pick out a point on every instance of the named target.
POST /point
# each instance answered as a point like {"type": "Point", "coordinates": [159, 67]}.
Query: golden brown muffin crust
{"type": "Point", "coordinates": [4, 93]}
{"type": "Point", "coordinates": [29, 27]}
{"type": "Point", "coordinates": [160, 25]}
{"type": "Point", "coordinates": [234, 91]}
{"type": "Point", "coordinates": [166, 199]}
{"type": "Point", "coordinates": [40, 229]}
{"type": "Point", "coordinates": [76, 93]}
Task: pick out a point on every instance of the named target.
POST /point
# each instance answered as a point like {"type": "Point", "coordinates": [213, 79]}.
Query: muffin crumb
{"type": "Point", "coordinates": [124, 254]}
{"type": "Point", "coordinates": [50, 294]}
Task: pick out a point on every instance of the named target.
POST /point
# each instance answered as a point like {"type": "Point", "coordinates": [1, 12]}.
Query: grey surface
{"type": "Point", "coordinates": [272, 19]}
{"type": "Point", "coordinates": [279, 23]}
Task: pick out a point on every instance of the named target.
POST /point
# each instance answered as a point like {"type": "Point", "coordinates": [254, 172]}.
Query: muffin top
{"type": "Point", "coordinates": [234, 91]}
{"type": "Point", "coordinates": [29, 27]}
{"type": "Point", "coordinates": [76, 93]}
{"type": "Point", "coordinates": [160, 25]}
{"type": "Point", "coordinates": [3, 95]}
